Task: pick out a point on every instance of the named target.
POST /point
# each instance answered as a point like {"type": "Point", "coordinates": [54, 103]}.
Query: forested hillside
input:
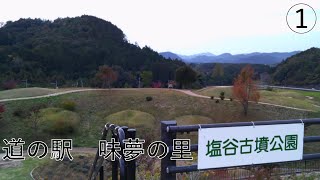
{"type": "Point", "coordinates": [224, 74]}
{"type": "Point", "coordinates": [72, 48]}
{"type": "Point", "coordinates": [301, 69]}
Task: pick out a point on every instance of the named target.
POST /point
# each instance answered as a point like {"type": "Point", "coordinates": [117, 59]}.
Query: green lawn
{"type": "Point", "coordinates": [292, 98]}
{"type": "Point", "coordinates": [21, 172]}
{"type": "Point", "coordinates": [27, 92]}
{"type": "Point", "coordinates": [129, 107]}
{"type": "Point", "coordinates": [94, 107]}
{"type": "Point", "coordinates": [78, 168]}
{"type": "Point", "coordinates": [215, 91]}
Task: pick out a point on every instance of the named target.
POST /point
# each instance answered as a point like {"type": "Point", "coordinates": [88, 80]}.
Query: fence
{"type": "Point", "coordinates": [169, 130]}
{"type": "Point", "coordinates": [127, 168]}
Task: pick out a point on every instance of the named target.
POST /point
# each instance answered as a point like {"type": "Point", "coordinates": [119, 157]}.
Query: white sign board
{"type": "Point", "coordinates": [246, 145]}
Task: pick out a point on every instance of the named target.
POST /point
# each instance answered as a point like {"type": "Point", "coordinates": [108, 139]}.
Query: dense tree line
{"type": "Point", "coordinates": [69, 49]}
{"type": "Point", "coordinates": [302, 69]}
{"type": "Point", "coordinates": [225, 74]}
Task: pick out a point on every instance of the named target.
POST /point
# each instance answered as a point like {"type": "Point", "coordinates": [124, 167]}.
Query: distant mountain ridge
{"type": "Point", "coordinates": [251, 58]}
{"type": "Point", "coordinates": [170, 55]}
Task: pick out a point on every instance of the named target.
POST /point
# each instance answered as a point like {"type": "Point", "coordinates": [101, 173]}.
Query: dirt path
{"type": "Point", "coordinates": [188, 92]}
{"type": "Point", "coordinates": [48, 95]}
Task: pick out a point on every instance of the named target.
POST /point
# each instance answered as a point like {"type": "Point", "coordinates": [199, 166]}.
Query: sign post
{"type": "Point", "coordinates": [248, 145]}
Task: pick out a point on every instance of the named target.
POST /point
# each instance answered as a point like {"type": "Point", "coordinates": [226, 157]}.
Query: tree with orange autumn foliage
{"type": "Point", "coordinates": [107, 75]}
{"type": "Point", "coordinates": [244, 88]}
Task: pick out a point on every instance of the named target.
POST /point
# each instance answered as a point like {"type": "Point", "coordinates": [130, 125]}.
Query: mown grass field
{"type": "Point", "coordinates": [128, 107]}
{"type": "Point", "coordinates": [28, 92]}
{"type": "Point", "coordinates": [94, 107]}
{"type": "Point", "coordinates": [292, 98]}
{"type": "Point", "coordinates": [22, 172]}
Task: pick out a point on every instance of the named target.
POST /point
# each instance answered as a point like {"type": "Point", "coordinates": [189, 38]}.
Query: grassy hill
{"type": "Point", "coordinates": [124, 107]}
{"type": "Point", "coordinates": [95, 108]}
{"type": "Point", "coordinates": [292, 98]}
{"type": "Point", "coordinates": [28, 92]}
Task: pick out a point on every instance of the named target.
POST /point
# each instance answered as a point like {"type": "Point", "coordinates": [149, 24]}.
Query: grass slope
{"type": "Point", "coordinates": [124, 107]}
{"type": "Point", "coordinates": [22, 172]}
{"type": "Point", "coordinates": [143, 122]}
{"type": "Point", "coordinates": [292, 98]}
{"type": "Point", "coordinates": [93, 107]}
{"type": "Point", "coordinates": [27, 92]}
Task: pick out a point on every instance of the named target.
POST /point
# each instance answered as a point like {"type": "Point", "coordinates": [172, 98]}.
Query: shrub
{"type": "Point", "coordinates": [148, 98]}
{"type": "Point", "coordinates": [217, 101]}
{"type": "Point", "coordinates": [2, 109]}
{"type": "Point", "coordinates": [126, 85]}
{"type": "Point", "coordinates": [156, 84]}
{"type": "Point", "coordinates": [59, 121]}
{"type": "Point", "coordinates": [11, 84]}
{"type": "Point", "coordinates": [222, 95]}
{"type": "Point", "coordinates": [269, 88]}
{"type": "Point", "coordinates": [212, 97]}
{"type": "Point", "coordinates": [36, 108]}
{"type": "Point", "coordinates": [68, 105]}
{"type": "Point", "coordinates": [19, 113]}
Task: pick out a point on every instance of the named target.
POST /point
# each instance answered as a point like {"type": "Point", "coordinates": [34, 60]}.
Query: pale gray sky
{"type": "Point", "coordinates": [185, 26]}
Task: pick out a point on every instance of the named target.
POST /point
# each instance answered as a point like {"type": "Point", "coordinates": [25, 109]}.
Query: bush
{"type": "Point", "coordinates": [11, 84]}
{"type": "Point", "coordinates": [212, 97]}
{"type": "Point", "coordinates": [148, 98]}
{"type": "Point", "coordinates": [2, 109]}
{"type": "Point", "coordinates": [156, 84]}
{"type": "Point", "coordinates": [269, 88]}
{"type": "Point", "coordinates": [217, 101]}
{"type": "Point", "coordinates": [59, 121]}
{"type": "Point", "coordinates": [68, 105]}
{"type": "Point", "coordinates": [19, 113]}
{"type": "Point", "coordinates": [222, 95]}
{"type": "Point", "coordinates": [126, 85]}
{"type": "Point", "coordinates": [36, 108]}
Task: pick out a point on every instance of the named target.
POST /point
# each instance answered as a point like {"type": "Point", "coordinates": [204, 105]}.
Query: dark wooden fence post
{"type": "Point", "coordinates": [101, 173]}
{"type": "Point", "coordinates": [115, 165]}
{"type": "Point", "coordinates": [167, 138]}
{"type": "Point", "coordinates": [131, 165]}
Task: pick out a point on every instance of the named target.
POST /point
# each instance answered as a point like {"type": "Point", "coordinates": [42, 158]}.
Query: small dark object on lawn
{"type": "Point", "coordinates": [212, 97]}
{"type": "Point", "coordinates": [68, 105]}
{"type": "Point", "coordinates": [18, 113]}
{"type": "Point", "coordinates": [231, 99]}
{"type": "Point", "coordinates": [222, 95]}
{"type": "Point", "coordinates": [148, 98]}
{"type": "Point", "coordinates": [217, 101]}
{"type": "Point", "coordinates": [269, 88]}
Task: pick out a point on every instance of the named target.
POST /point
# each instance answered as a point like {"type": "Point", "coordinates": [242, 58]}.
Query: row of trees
{"type": "Point", "coordinates": [107, 76]}
{"type": "Point", "coordinates": [220, 74]}
{"type": "Point", "coordinates": [244, 87]}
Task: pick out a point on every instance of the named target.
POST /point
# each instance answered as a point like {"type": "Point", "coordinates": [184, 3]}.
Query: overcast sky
{"type": "Point", "coordinates": [185, 26]}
